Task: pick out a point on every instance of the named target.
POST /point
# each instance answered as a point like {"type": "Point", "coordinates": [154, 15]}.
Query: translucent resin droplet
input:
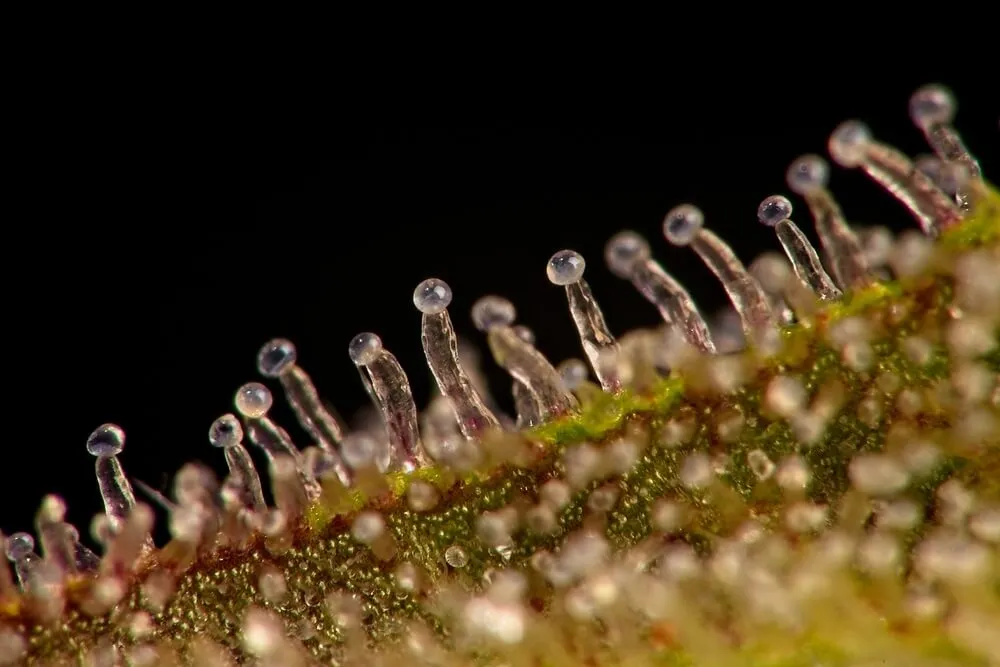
{"type": "Point", "coordinates": [275, 357]}
{"type": "Point", "coordinates": [432, 296]}
{"type": "Point", "coordinates": [106, 440]}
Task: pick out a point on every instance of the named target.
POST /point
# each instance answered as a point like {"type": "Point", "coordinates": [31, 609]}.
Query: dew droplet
{"type": "Point", "coordinates": [456, 556]}
{"type": "Point", "coordinates": [364, 348]}
{"type": "Point", "coordinates": [932, 105]}
{"type": "Point", "coordinates": [432, 296]}
{"type": "Point", "coordinates": [18, 546]}
{"type": "Point", "coordinates": [565, 267]}
{"type": "Point", "coordinates": [253, 400]}
{"type": "Point", "coordinates": [848, 144]}
{"type": "Point", "coordinates": [275, 357]}
{"type": "Point", "coordinates": [106, 440]}
{"type": "Point", "coordinates": [226, 431]}
{"type": "Point", "coordinates": [622, 252]}
{"type": "Point", "coordinates": [807, 173]}
{"type": "Point", "coordinates": [492, 311]}
{"type": "Point", "coordinates": [682, 224]}
{"type": "Point", "coordinates": [773, 210]}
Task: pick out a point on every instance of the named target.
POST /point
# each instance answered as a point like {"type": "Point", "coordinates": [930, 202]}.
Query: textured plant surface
{"type": "Point", "coordinates": [827, 495]}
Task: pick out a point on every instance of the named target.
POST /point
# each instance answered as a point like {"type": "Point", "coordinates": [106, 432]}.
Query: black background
{"type": "Point", "coordinates": [155, 245]}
